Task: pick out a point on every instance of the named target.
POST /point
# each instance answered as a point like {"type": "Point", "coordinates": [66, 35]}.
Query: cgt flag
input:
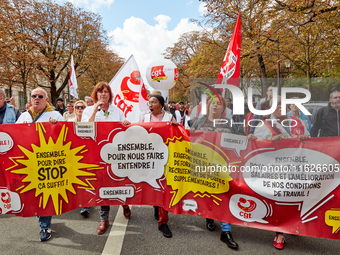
{"type": "Point", "coordinates": [73, 80]}
{"type": "Point", "coordinates": [129, 91]}
{"type": "Point", "coordinates": [230, 69]}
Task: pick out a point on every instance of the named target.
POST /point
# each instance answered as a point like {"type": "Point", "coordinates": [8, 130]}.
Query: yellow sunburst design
{"type": "Point", "coordinates": [53, 168]}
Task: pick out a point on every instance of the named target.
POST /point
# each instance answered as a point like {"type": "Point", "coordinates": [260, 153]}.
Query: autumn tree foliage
{"type": "Point", "coordinates": [38, 39]}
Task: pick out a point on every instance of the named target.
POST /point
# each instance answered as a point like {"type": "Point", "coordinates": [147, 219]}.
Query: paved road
{"type": "Point", "coordinates": [73, 234]}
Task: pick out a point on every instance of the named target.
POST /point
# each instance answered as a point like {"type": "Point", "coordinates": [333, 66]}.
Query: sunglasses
{"type": "Point", "coordinates": [80, 107]}
{"type": "Point", "coordinates": [39, 96]}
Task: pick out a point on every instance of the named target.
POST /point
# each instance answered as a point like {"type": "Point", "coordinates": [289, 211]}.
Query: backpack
{"type": "Point", "coordinates": [16, 111]}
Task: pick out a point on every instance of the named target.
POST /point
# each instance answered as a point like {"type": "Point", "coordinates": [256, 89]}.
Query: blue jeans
{"type": "Point", "coordinates": [225, 226]}
{"type": "Point", "coordinates": [45, 222]}
{"type": "Point", "coordinates": [104, 213]}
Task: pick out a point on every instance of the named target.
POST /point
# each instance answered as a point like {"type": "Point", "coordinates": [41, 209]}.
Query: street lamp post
{"type": "Point", "coordinates": [287, 64]}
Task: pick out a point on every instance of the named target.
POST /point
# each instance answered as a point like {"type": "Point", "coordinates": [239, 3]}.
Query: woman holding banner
{"type": "Point", "coordinates": [79, 107]}
{"type": "Point", "coordinates": [276, 131]}
{"type": "Point", "coordinates": [157, 114]}
{"type": "Point", "coordinates": [103, 110]}
{"type": "Point", "coordinates": [215, 111]}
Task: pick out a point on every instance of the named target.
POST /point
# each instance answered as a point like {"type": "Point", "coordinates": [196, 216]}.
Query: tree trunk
{"type": "Point", "coordinates": [309, 79]}
{"type": "Point", "coordinates": [54, 94]}
{"type": "Point", "coordinates": [264, 84]}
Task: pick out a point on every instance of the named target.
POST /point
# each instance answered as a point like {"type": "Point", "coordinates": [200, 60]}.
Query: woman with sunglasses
{"type": "Point", "coordinates": [79, 107]}
{"type": "Point", "coordinates": [103, 110]}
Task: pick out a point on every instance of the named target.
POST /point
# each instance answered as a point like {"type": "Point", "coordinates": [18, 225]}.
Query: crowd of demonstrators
{"type": "Point", "coordinates": [216, 111]}
{"type": "Point", "coordinates": [326, 123]}
{"type": "Point", "coordinates": [158, 114]}
{"type": "Point", "coordinates": [41, 111]}
{"type": "Point", "coordinates": [103, 110]}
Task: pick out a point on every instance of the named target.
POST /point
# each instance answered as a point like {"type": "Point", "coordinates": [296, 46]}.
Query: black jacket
{"type": "Point", "coordinates": [61, 111]}
{"type": "Point", "coordinates": [328, 121]}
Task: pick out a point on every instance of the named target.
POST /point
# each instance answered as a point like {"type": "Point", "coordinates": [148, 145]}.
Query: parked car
{"type": "Point", "coordinates": [313, 108]}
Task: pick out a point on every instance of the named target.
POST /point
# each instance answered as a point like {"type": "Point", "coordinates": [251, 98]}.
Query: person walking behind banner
{"type": "Point", "coordinates": [60, 107]}
{"type": "Point", "coordinates": [180, 113]}
{"type": "Point", "coordinates": [216, 111]}
{"type": "Point", "coordinates": [79, 107]}
{"type": "Point", "coordinates": [69, 114]}
{"type": "Point", "coordinates": [275, 131]}
{"type": "Point", "coordinates": [41, 111]}
{"type": "Point", "coordinates": [103, 110]}
{"type": "Point", "coordinates": [258, 107]}
{"type": "Point", "coordinates": [295, 111]}
{"type": "Point", "coordinates": [327, 120]}
{"type": "Point", "coordinates": [157, 114]}
{"type": "Point", "coordinates": [187, 112]}
{"type": "Point", "coordinates": [8, 113]}
{"type": "Point", "coordinates": [88, 101]}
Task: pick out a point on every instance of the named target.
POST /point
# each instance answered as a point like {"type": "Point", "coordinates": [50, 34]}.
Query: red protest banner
{"type": "Point", "coordinates": [289, 186]}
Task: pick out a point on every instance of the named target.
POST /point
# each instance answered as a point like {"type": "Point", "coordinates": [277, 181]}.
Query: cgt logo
{"type": "Point", "coordinates": [6, 199]}
{"type": "Point", "coordinates": [247, 206]}
{"type": "Point", "coordinates": [9, 201]}
{"type": "Point", "coordinates": [249, 209]}
{"type": "Point", "coordinates": [157, 73]}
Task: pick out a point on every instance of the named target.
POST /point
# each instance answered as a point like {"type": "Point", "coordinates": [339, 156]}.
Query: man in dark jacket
{"type": "Point", "coordinates": [327, 119]}
{"type": "Point", "coordinates": [60, 107]}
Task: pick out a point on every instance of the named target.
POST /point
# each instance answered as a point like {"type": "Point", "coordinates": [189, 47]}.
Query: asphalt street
{"type": "Point", "coordinates": [74, 234]}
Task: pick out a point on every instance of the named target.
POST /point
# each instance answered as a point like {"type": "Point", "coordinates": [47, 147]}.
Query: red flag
{"type": "Point", "coordinates": [230, 69]}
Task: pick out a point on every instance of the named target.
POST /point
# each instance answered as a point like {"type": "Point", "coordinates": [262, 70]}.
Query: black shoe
{"type": "Point", "coordinates": [164, 228]}
{"type": "Point", "coordinates": [156, 213]}
{"type": "Point", "coordinates": [84, 211]}
{"type": "Point", "coordinates": [227, 238]}
{"type": "Point", "coordinates": [210, 224]}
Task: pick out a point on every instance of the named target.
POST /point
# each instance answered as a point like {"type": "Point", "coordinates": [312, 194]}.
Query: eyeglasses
{"type": "Point", "coordinates": [80, 107]}
{"type": "Point", "coordinates": [39, 96]}
{"type": "Point", "coordinates": [152, 103]}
